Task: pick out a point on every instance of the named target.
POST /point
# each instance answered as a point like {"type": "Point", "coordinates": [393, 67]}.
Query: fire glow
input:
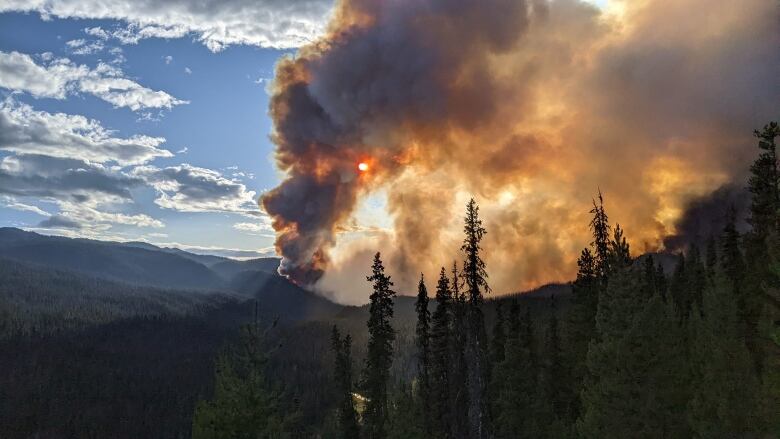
{"type": "Point", "coordinates": [528, 106]}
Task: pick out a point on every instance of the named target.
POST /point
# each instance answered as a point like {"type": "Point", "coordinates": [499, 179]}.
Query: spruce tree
{"type": "Point", "coordinates": [459, 393]}
{"type": "Point", "coordinates": [661, 282]}
{"type": "Point", "coordinates": [619, 251]}
{"type": "Point", "coordinates": [243, 406]}
{"type": "Point", "coordinates": [379, 355]}
{"type": "Point", "coordinates": [712, 255]}
{"type": "Point", "coordinates": [732, 262]}
{"type": "Point", "coordinates": [516, 403]}
{"type": "Point", "coordinates": [475, 280]}
{"type": "Point", "coordinates": [755, 302]}
{"type": "Point", "coordinates": [600, 227]}
{"type": "Point", "coordinates": [764, 184]}
{"type": "Point", "coordinates": [696, 275]}
{"type": "Point", "coordinates": [554, 380]}
{"type": "Point", "coordinates": [423, 355]}
{"type": "Point", "coordinates": [498, 339]}
{"type": "Point", "coordinates": [725, 388]}
{"type": "Point", "coordinates": [634, 386]}
{"type": "Point", "coordinates": [581, 324]}
{"type": "Point", "coordinates": [513, 321]}
{"type": "Point", "coordinates": [441, 354]}
{"type": "Point", "coordinates": [347, 415]}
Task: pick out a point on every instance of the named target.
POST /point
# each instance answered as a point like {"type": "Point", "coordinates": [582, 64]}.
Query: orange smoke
{"type": "Point", "coordinates": [528, 106]}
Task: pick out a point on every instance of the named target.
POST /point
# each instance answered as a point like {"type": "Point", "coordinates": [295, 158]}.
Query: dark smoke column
{"type": "Point", "coordinates": [387, 75]}
{"type": "Point", "coordinates": [321, 186]}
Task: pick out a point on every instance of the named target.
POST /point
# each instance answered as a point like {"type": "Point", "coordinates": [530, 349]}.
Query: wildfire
{"type": "Point", "coordinates": [362, 166]}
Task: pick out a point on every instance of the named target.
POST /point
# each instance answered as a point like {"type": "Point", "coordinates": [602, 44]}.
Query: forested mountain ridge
{"type": "Point", "coordinates": [109, 260]}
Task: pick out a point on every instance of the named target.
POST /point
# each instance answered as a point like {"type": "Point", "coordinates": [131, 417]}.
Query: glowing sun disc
{"type": "Point", "coordinates": [362, 166]}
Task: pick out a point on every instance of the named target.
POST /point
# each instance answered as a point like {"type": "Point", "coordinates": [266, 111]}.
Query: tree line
{"type": "Point", "coordinates": [634, 352]}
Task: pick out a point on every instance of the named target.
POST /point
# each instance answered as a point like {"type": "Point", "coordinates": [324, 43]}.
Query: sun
{"type": "Point", "coordinates": [362, 166]}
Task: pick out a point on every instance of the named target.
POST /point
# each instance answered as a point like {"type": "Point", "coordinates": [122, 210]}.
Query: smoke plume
{"type": "Point", "coordinates": [528, 106]}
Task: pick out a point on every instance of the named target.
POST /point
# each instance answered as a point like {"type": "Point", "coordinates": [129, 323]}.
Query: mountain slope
{"type": "Point", "coordinates": [111, 260]}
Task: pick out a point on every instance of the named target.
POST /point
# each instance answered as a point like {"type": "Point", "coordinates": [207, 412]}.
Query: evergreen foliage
{"type": "Point", "coordinates": [423, 356]}
{"type": "Point", "coordinates": [380, 352]}
{"type": "Point", "coordinates": [348, 427]}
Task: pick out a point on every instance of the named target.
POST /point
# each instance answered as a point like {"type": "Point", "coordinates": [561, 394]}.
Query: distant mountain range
{"type": "Point", "coordinates": [145, 265]}
{"type": "Point", "coordinates": [140, 264]}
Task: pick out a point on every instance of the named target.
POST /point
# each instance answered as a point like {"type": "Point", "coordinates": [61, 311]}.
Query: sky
{"type": "Point", "coordinates": [143, 122]}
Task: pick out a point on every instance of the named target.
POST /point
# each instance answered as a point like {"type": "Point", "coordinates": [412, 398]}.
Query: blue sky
{"type": "Point", "coordinates": [223, 127]}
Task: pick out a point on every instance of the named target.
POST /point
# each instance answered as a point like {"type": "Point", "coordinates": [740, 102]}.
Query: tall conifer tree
{"type": "Point", "coordinates": [347, 415]}
{"type": "Point", "coordinates": [423, 330]}
{"type": "Point", "coordinates": [475, 280]}
{"type": "Point", "coordinates": [379, 357]}
{"type": "Point", "coordinates": [441, 354]}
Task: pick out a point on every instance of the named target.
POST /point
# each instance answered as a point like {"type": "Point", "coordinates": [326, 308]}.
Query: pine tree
{"type": "Point", "coordinates": [755, 302]}
{"type": "Point", "coordinates": [599, 225]}
{"type": "Point", "coordinates": [732, 262]}
{"type": "Point", "coordinates": [459, 394]}
{"type": "Point", "coordinates": [764, 184]}
{"type": "Point", "coordinates": [513, 322]}
{"type": "Point", "coordinates": [441, 354]}
{"type": "Point", "coordinates": [516, 402]}
{"type": "Point", "coordinates": [379, 353]}
{"type": "Point", "coordinates": [581, 324]}
{"type": "Point", "coordinates": [725, 388]}
{"type": "Point", "coordinates": [619, 251]}
{"type": "Point", "coordinates": [678, 288]}
{"type": "Point", "coordinates": [347, 415]}
{"type": "Point", "coordinates": [475, 279]}
{"type": "Point", "coordinates": [402, 406]}
{"type": "Point", "coordinates": [498, 340]}
{"type": "Point", "coordinates": [661, 282]}
{"type": "Point", "coordinates": [423, 355]}
{"type": "Point", "coordinates": [649, 278]}
{"type": "Point", "coordinates": [696, 274]}
{"type": "Point", "coordinates": [634, 387]}
{"type": "Point", "coordinates": [554, 380]}
{"type": "Point", "coordinates": [243, 406]}
{"type": "Point", "coordinates": [712, 255]}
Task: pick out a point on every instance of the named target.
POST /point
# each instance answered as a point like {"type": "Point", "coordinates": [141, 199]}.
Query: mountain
{"type": "Point", "coordinates": [230, 268]}
{"type": "Point", "coordinates": [136, 264]}
{"type": "Point", "coordinates": [40, 300]}
{"type": "Point", "coordinates": [278, 296]}
{"type": "Point", "coordinates": [110, 260]}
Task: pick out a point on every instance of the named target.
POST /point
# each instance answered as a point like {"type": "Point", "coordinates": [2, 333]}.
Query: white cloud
{"type": "Point", "coordinates": [11, 203]}
{"type": "Point", "coordinates": [168, 59]}
{"type": "Point", "coordinates": [84, 47]}
{"type": "Point", "coordinates": [187, 70]}
{"type": "Point", "coordinates": [189, 188]}
{"type": "Point", "coordinates": [260, 228]}
{"type": "Point", "coordinates": [64, 180]}
{"type": "Point", "coordinates": [215, 23]}
{"type": "Point", "coordinates": [89, 196]}
{"type": "Point", "coordinates": [27, 131]}
{"type": "Point", "coordinates": [183, 150]}
{"type": "Point", "coordinates": [87, 215]}
{"type": "Point", "coordinates": [57, 78]}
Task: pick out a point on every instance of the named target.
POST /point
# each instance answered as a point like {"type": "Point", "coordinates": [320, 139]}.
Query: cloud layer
{"type": "Point", "coordinates": [529, 106]}
{"type": "Point", "coordinates": [215, 23]}
{"type": "Point", "coordinates": [27, 131]}
{"type": "Point", "coordinates": [187, 188]}
{"type": "Point", "coordinates": [60, 77]}
{"type": "Point", "coordinates": [90, 174]}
